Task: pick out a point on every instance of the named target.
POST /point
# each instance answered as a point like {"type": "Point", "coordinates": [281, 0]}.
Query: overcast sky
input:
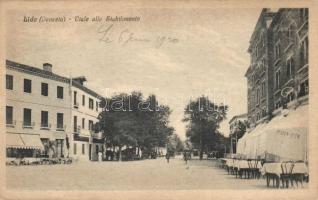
{"type": "Point", "coordinates": [204, 52]}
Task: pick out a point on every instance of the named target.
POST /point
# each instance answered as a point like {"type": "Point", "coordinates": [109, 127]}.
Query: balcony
{"type": "Point", "coordinates": [77, 129]}
{"type": "Point", "coordinates": [11, 123]}
{"type": "Point", "coordinates": [76, 105]}
{"type": "Point", "coordinates": [29, 125]}
{"type": "Point", "coordinates": [60, 127]}
{"type": "Point", "coordinates": [45, 126]}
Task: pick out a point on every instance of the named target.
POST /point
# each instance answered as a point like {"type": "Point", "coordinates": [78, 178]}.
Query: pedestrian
{"type": "Point", "coordinates": [167, 157]}
{"type": "Point", "coordinates": [185, 157]}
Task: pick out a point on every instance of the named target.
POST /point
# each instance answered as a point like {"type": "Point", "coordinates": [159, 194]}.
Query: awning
{"type": "Point", "coordinates": [24, 141]}
{"type": "Point", "coordinates": [14, 141]}
{"type": "Point", "coordinates": [285, 137]}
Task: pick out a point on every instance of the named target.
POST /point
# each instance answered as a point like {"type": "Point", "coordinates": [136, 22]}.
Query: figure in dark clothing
{"type": "Point", "coordinates": [167, 157]}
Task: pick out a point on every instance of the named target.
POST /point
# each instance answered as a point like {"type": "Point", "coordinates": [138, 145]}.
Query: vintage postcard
{"type": "Point", "coordinates": [159, 99]}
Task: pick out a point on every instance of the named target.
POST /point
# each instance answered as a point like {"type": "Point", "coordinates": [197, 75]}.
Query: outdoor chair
{"type": "Point", "coordinates": [286, 175]}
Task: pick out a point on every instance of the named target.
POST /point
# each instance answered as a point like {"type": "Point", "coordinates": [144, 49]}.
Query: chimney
{"type": "Point", "coordinates": [80, 79]}
{"type": "Point", "coordinates": [47, 67]}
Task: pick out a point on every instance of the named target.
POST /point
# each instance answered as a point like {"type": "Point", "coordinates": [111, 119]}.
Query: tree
{"type": "Point", "coordinates": [203, 119]}
{"type": "Point", "coordinates": [174, 144]}
{"type": "Point", "coordinates": [130, 120]}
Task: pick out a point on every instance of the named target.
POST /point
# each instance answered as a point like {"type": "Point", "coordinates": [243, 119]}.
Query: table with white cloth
{"type": "Point", "coordinates": [285, 171]}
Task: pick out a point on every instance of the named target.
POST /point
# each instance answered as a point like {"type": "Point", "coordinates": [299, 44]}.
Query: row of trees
{"type": "Point", "coordinates": [130, 120]}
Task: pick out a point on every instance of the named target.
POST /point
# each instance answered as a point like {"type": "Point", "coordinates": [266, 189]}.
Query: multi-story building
{"type": "Point", "coordinates": [50, 115]}
{"type": "Point", "coordinates": [86, 144]}
{"type": "Point", "coordinates": [289, 30]}
{"type": "Point", "coordinates": [259, 73]}
{"type": "Point", "coordinates": [278, 73]}
{"type": "Point", "coordinates": [37, 111]}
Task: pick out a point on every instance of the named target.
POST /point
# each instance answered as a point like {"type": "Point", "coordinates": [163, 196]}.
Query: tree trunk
{"type": "Point", "coordinates": [120, 158]}
{"type": "Point", "coordinates": [201, 148]}
{"type": "Point", "coordinates": [138, 151]}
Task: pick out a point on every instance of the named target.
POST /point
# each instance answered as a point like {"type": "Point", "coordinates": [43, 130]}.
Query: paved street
{"type": "Point", "coordinates": [134, 175]}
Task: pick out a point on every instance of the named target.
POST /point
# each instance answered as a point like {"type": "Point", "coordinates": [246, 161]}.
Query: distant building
{"type": "Point", "coordinates": [279, 62]}
{"type": "Point", "coordinates": [43, 118]}
{"type": "Point", "coordinates": [235, 131]}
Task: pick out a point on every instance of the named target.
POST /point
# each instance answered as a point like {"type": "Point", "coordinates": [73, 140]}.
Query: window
{"type": "Point", "coordinates": [83, 100]}
{"type": "Point", "coordinates": [90, 125]}
{"type": "Point", "coordinates": [9, 115]}
{"type": "Point", "coordinates": [290, 33]}
{"type": "Point", "coordinates": [27, 86]}
{"type": "Point", "coordinates": [74, 148]}
{"type": "Point", "coordinates": [9, 82]}
{"type": "Point", "coordinates": [75, 124]}
{"type": "Point", "coordinates": [258, 96]}
{"type": "Point", "coordinates": [263, 64]}
{"type": "Point", "coordinates": [83, 123]}
{"type": "Point", "coordinates": [91, 103]}
{"type": "Point", "coordinates": [261, 39]}
{"type": "Point", "coordinates": [304, 51]}
{"type": "Point", "coordinates": [304, 88]}
{"type": "Point", "coordinates": [44, 89]}
{"type": "Point", "coordinates": [27, 117]}
{"type": "Point", "coordinates": [83, 149]}
{"type": "Point", "coordinates": [304, 14]}
{"type": "Point", "coordinates": [75, 96]}
{"type": "Point", "coordinates": [277, 79]}
{"type": "Point", "coordinates": [263, 88]}
{"type": "Point", "coordinates": [97, 149]}
{"type": "Point", "coordinates": [60, 121]}
{"type": "Point", "coordinates": [277, 50]}
{"type": "Point", "coordinates": [96, 105]}
{"type": "Point", "coordinates": [290, 67]}
{"type": "Point", "coordinates": [60, 92]}
{"type": "Point", "coordinates": [44, 119]}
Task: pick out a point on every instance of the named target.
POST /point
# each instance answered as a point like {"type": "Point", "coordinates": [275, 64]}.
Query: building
{"type": "Point", "coordinates": [85, 143]}
{"type": "Point", "coordinates": [259, 73]}
{"type": "Point", "coordinates": [44, 116]}
{"type": "Point", "coordinates": [278, 88]}
{"type": "Point", "coordinates": [37, 111]}
{"type": "Point", "coordinates": [237, 129]}
{"type": "Point", "coordinates": [278, 73]}
{"type": "Point", "coordinates": [289, 30]}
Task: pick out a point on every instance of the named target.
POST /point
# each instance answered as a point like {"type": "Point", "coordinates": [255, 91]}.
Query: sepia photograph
{"type": "Point", "coordinates": [100, 97]}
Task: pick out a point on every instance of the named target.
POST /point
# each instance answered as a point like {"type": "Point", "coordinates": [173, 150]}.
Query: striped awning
{"type": "Point", "coordinates": [24, 141]}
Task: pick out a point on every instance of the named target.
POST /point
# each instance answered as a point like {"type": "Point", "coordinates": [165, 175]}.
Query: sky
{"type": "Point", "coordinates": [176, 54]}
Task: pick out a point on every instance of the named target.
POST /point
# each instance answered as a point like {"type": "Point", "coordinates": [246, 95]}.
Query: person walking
{"type": "Point", "coordinates": [167, 157]}
{"type": "Point", "coordinates": [185, 157]}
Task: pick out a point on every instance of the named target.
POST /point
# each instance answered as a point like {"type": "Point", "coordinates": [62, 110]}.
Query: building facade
{"type": "Point", "coordinates": [278, 74]}
{"type": "Point", "coordinates": [86, 143]}
{"type": "Point", "coordinates": [289, 31]}
{"type": "Point", "coordinates": [43, 113]}
{"type": "Point", "coordinates": [37, 111]}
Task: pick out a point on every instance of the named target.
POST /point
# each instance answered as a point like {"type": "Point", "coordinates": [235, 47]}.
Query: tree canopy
{"type": "Point", "coordinates": [132, 121]}
{"type": "Point", "coordinates": [203, 118]}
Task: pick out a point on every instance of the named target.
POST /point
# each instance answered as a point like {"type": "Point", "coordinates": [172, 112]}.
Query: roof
{"type": "Point", "coordinates": [49, 75]}
{"type": "Point", "coordinates": [237, 117]}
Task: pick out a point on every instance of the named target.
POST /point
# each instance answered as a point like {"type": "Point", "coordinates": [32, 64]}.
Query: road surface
{"type": "Point", "coordinates": [132, 175]}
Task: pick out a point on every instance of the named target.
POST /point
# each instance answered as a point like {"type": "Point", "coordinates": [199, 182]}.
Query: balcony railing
{"type": "Point", "coordinates": [11, 123]}
{"type": "Point", "coordinates": [76, 105]}
{"type": "Point", "coordinates": [60, 127]}
{"type": "Point", "coordinates": [45, 126]}
{"type": "Point", "coordinates": [28, 124]}
{"type": "Point", "coordinates": [77, 129]}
